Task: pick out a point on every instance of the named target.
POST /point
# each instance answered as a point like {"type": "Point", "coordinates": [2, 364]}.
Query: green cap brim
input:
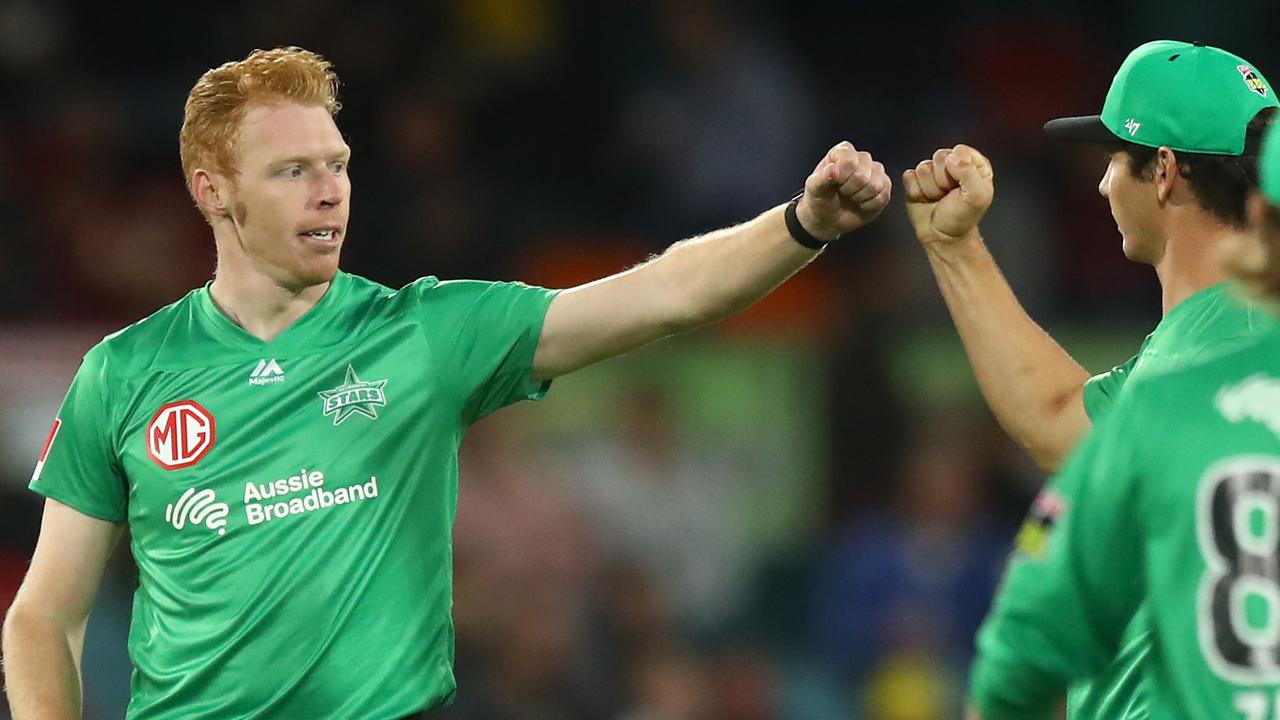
{"type": "Point", "coordinates": [1085, 128]}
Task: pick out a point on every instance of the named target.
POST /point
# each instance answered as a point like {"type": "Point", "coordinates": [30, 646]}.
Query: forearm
{"type": "Point", "coordinates": [693, 283]}
{"type": "Point", "coordinates": [1034, 388]}
{"type": "Point", "coordinates": [708, 278]}
{"type": "Point", "coordinates": [41, 664]}
{"type": "Point", "coordinates": [716, 275]}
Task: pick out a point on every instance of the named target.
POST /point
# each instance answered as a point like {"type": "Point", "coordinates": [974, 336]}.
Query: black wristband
{"type": "Point", "coordinates": [798, 233]}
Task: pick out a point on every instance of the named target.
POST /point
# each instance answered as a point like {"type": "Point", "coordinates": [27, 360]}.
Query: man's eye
{"type": "Point", "coordinates": [339, 168]}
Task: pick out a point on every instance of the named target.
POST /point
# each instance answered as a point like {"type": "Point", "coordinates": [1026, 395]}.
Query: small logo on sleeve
{"type": "Point", "coordinates": [179, 434]}
{"type": "Point", "coordinates": [44, 454]}
{"type": "Point", "coordinates": [354, 396]}
{"type": "Point", "coordinates": [1033, 538]}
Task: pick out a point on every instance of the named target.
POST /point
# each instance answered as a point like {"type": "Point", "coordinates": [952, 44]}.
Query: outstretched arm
{"type": "Point", "coordinates": [708, 278]}
{"type": "Point", "coordinates": [1034, 388]}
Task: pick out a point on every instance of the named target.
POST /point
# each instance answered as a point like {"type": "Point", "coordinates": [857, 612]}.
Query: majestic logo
{"type": "Point", "coordinates": [1256, 398]}
{"type": "Point", "coordinates": [1132, 126]}
{"type": "Point", "coordinates": [1252, 79]}
{"type": "Point", "coordinates": [180, 434]}
{"type": "Point", "coordinates": [48, 443]}
{"type": "Point", "coordinates": [354, 396]}
{"type": "Point", "coordinates": [198, 508]}
{"type": "Point", "coordinates": [267, 372]}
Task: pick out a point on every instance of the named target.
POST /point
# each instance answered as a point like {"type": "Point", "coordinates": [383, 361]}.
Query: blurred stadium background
{"type": "Point", "coordinates": [799, 514]}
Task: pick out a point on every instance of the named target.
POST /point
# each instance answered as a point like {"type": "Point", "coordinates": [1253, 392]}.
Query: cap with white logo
{"type": "Point", "coordinates": [1187, 96]}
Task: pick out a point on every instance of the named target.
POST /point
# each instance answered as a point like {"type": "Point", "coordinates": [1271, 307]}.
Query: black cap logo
{"type": "Point", "coordinates": [1252, 80]}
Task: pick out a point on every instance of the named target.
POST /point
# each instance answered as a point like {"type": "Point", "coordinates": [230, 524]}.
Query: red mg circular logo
{"type": "Point", "coordinates": [180, 434]}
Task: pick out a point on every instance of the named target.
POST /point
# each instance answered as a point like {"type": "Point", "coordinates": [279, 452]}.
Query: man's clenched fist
{"type": "Point", "coordinates": [847, 190]}
{"type": "Point", "coordinates": [948, 195]}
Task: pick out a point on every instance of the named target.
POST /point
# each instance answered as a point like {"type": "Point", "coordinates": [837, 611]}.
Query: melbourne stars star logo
{"type": "Point", "coordinates": [354, 396]}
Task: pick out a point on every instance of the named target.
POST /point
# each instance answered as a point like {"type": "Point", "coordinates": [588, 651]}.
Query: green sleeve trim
{"type": "Point", "coordinates": [1094, 398]}
{"type": "Point", "coordinates": [540, 388]}
{"type": "Point", "coordinates": [78, 503]}
{"type": "Point", "coordinates": [1102, 390]}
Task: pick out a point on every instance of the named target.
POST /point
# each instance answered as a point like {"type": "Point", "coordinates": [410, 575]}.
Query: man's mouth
{"type": "Point", "coordinates": [322, 234]}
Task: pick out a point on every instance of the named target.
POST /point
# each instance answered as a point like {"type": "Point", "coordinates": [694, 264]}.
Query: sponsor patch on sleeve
{"type": "Point", "coordinates": [1033, 537]}
{"type": "Point", "coordinates": [44, 454]}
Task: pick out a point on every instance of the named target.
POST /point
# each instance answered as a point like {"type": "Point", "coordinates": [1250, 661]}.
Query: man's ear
{"type": "Point", "coordinates": [1166, 173]}
{"type": "Point", "coordinates": [210, 192]}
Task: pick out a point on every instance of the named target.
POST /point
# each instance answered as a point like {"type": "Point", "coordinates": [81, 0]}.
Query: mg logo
{"type": "Point", "coordinates": [180, 434]}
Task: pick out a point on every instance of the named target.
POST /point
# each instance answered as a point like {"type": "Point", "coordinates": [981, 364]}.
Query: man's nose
{"type": "Point", "coordinates": [331, 190]}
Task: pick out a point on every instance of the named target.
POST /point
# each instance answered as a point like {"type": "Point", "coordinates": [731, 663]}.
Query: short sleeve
{"type": "Point", "coordinates": [1073, 584]}
{"type": "Point", "coordinates": [1102, 390]}
{"type": "Point", "coordinates": [79, 466]}
{"type": "Point", "coordinates": [484, 336]}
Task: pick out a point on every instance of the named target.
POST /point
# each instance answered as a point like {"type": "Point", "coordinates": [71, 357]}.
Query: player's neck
{"type": "Point", "coordinates": [1189, 263]}
{"type": "Point", "coordinates": [260, 305]}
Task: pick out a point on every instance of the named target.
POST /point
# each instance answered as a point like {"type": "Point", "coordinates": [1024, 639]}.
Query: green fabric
{"type": "Point", "coordinates": [1193, 98]}
{"type": "Point", "coordinates": [290, 502]}
{"type": "Point", "coordinates": [1269, 165]}
{"type": "Point", "coordinates": [1118, 692]}
{"type": "Point", "coordinates": [1172, 504]}
{"type": "Point", "coordinates": [1209, 322]}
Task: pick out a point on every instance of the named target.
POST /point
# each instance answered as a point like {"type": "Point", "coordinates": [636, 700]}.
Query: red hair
{"type": "Point", "coordinates": [220, 98]}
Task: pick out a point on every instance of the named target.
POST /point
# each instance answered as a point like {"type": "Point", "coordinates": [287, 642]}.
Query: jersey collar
{"type": "Point", "coordinates": [308, 331]}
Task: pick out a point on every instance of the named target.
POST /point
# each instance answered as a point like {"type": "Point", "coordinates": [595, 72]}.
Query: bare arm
{"type": "Point", "coordinates": [44, 629]}
{"type": "Point", "coordinates": [711, 277]}
{"type": "Point", "coordinates": [1034, 388]}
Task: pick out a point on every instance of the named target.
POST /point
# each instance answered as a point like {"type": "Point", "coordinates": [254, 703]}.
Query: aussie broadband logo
{"type": "Point", "coordinates": [354, 396]}
{"type": "Point", "coordinates": [198, 508]}
{"type": "Point", "coordinates": [305, 492]}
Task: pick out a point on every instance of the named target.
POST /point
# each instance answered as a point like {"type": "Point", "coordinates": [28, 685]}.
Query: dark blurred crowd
{"type": "Point", "coordinates": [629, 564]}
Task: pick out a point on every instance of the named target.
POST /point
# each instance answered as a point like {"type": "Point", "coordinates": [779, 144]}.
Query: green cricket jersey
{"type": "Point", "coordinates": [291, 502]}
{"type": "Point", "coordinates": [1207, 323]}
{"type": "Point", "coordinates": [1172, 502]}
